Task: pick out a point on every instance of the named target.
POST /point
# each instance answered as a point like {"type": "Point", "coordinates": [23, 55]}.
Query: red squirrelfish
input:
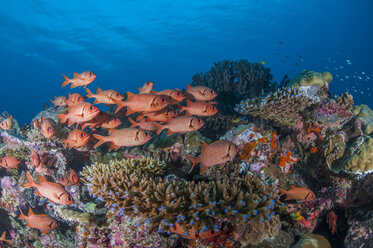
{"type": "Point", "coordinates": [216, 153]}
{"type": "Point", "coordinates": [199, 108]}
{"type": "Point", "coordinates": [104, 96]}
{"type": "Point", "coordinates": [332, 221]}
{"type": "Point", "coordinates": [47, 127]}
{"type": "Point", "coordinates": [111, 122]}
{"type": "Point", "coordinates": [7, 123]}
{"type": "Point", "coordinates": [298, 194]}
{"type": "Point", "coordinates": [124, 137]}
{"type": "Point", "coordinates": [163, 115]}
{"type": "Point", "coordinates": [8, 162]}
{"type": "Point", "coordinates": [173, 96]}
{"type": "Point", "coordinates": [82, 79]}
{"type": "Point", "coordinates": [146, 102]}
{"type": "Point", "coordinates": [182, 124]}
{"type": "Point", "coordinates": [59, 101]}
{"type": "Point", "coordinates": [53, 191]}
{"type": "Point", "coordinates": [77, 138]}
{"type": "Point", "coordinates": [143, 124]}
{"type": "Point", "coordinates": [96, 122]}
{"type": "Point", "coordinates": [80, 113]}
{"type": "Point", "coordinates": [71, 179]}
{"type": "Point", "coordinates": [147, 88]}
{"type": "Point", "coordinates": [201, 93]}
{"type": "Point", "coordinates": [39, 221]}
{"type": "Point", "coordinates": [74, 99]}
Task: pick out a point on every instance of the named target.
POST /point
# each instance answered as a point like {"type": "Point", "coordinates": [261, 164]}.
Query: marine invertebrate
{"type": "Point", "coordinates": [282, 106]}
{"type": "Point", "coordinates": [365, 115]}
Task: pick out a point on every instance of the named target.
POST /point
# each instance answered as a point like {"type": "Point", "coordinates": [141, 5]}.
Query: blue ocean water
{"type": "Point", "coordinates": [129, 42]}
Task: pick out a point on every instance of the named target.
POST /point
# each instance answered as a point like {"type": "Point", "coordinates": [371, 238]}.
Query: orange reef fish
{"type": "Point", "coordinates": [143, 124]}
{"type": "Point", "coordinates": [53, 191]}
{"type": "Point", "coordinates": [74, 99]}
{"type": "Point", "coordinates": [298, 194]}
{"type": "Point", "coordinates": [163, 115]}
{"type": "Point", "coordinates": [173, 96]}
{"type": "Point", "coordinates": [182, 124]}
{"type": "Point", "coordinates": [147, 88]}
{"type": "Point", "coordinates": [145, 102]}
{"type": "Point", "coordinates": [124, 137]}
{"type": "Point", "coordinates": [201, 93]}
{"type": "Point", "coordinates": [71, 179]}
{"type": "Point", "coordinates": [39, 221]}
{"type": "Point", "coordinates": [3, 239]}
{"type": "Point", "coordinates": [77, 138]}
{"type": "Point", "coordinates": [104, 96]}
{"type": "Point", "coordinates": [216, 153]}
{"type": "Point", "coordinates": [80, 113]}
{"type": "Point", "coordinates": [97, 121]}
{"type": "Point", "coordinates": [332, 221]}
{"type": "Point", "coordinates": [59, 101]}
{"type": "Point", "coordinates": [191, 233]}
{"type": "Point", "coordinates": [82, 79]}
{"type": "Point", "coordinates": [199, 108]}
{"type": "Point", "coordinates": [7, 123]}
{"type": "Point", "coordinates": [46, 127]}
{"type": "Point", "coordinates": [8, 162]}
{"type": "Point", "coordinates": [111, 122]}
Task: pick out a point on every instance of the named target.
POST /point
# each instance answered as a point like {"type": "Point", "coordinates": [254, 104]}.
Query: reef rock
{"type": "Point", "coordinates": [312, 241]}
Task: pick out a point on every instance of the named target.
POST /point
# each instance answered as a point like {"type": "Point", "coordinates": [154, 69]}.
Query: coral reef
{"type": "Point", "coordinates": [365, 115]}
{"type": "Point", "coordinates": [312, 241]}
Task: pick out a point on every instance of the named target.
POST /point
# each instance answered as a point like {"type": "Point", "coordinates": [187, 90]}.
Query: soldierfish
{"type": "Point", "coordinates": [59, 101]}
{"type": "Point", "coordinates": [37, 160]}
{"type": "Point", "coordinates": [80, 113]}
{"type": "Point", "coordinates": [124, 137]}
{"type": "Point", "coordinates": [111, 122]}
{"type": "Point", "coordinates": [298, 194]}
{"type": "Point", "coordinates": [3, 239]}
{"type": "Point", "coordinates": [7, 123]}
{"type": "Point", "coordinates": [104, 96]}
{"type": "Point", "coordinates": [82, 79]}
{"type": "Point", "coordinates": [71, 179]}
{"type": "Point", "coordinates": [9, 162]}
{"type": "Point", "coordinates": [96, 122]}
{"type": "Point", "coordinates": [173, 96]}
{"type": "Point", "coordinates": [53, 191]}
{"type": "Point", "coordinates": [216, 153]}
{"type": "Point", "coordinates": [74, 99]}
{"type": "Point", "coordinates": [147, 88]}
{"type": "Point", "coordinates": [146, 102]}
{"type": "Point", "coordinates": [47, 127]}
{"type": "Point", "coordinates": [143, 124]}
{"type": "Point", "coordinates": [39, 221]}
{"type": "Point", "coordinates": [181, 124]}
{"type": "Point", "coordinates": [199, 108]}
{"type": "Point", "coordinates": [163, 115]}
{"type": "Point", "coordinates": [201, 93]}
{"type": "Point", "coordinates": [77, 138]}
{"type": "Point", "coordinates": [332, 221]}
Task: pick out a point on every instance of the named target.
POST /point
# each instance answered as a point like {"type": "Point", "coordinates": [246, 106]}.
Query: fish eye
{"type": "Point", "coordinates": [213, 107]}
{"type": "Point", "coordinates": [162, 99]}
{"type": "Point", "coordinates": [82, 135]}
{"type": "Point", "coordinates": [91, 108]}
{"type": "Point", "coordinates": [90, 73]}
{"type": "Point", "coordinates": [199, 120]}
{"type": "Point", "coordinates": [1, 161]}
{"type": "Point", "coordinates": [69, 198]}
{"type": "Point", "coordinates": [211, 91]}
{"type": "Point", "coordinates": [118, 94]}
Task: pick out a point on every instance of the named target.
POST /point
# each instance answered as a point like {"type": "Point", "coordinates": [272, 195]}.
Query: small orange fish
{"type": "Point", "coordinates": [181, 124]}
{"type": "Point", "coordinates": [216, 153]}
{"type": "Point", "coordinates": [59, 101]}
{"type": "Point", "coordinates": [298, 194]}
{"type": "Point", "coordinates": [47, 127]}
{"type": "Point", "coordinates": [147, 88]}
{"type": "Point", "coordinates": [7, 123]}
{"type": "Point", "coordinates": [71, 179]}
{"type": "Point", "coordinates": [38, 160]}
{"type": "Point", "coordinates": [143, 124]}
{"type": "Point", "coordinates": [163, 115]}
{"type": "Point", "coordinates": [74, 99]}
{"type": "Point", "coordinates": [97, 121]}
{"type": "Point", "coordinates": [53, 191]}
{"type": "Point", "coordinates": [77, 138]}
{"type": "Point", "coordinates": [199, 109]}
{"type": "Point", "coordinates": [144, 102]}
{"type": "Point", "coordinates": [82, 79]}
{"type": "Point", "coordinates": [201, 93]}
{"type": "Point", "coordinates": [80, 113]}
{"type": "Point", "coordinates": [111, 122]}
{"type": "Point", "coordinates": [39, 221]}
{"type": "Point", "coordinates": [104, 96]}
{"type": "Point", "coordinates": [8, 162]}
{"type": "Point", "coordinates": [3, 239]}
{"type": "Point", "coordinates": [173, 96]}
{"type": "Point", "coordinates": [124, 137]}
{"type": "Point", "coordinates": [191, 233]}
{"type": "Point", "coordinates": [332, 220]}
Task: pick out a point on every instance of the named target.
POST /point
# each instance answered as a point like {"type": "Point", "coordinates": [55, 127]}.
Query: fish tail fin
{"type": "Point", "coordinates": [21, 215]}
{"type": "Point", "coordinates": [66, 82]}
{"type": "Point", "coordinates": [30, 182]}
{"type": "Point", "coordinates": [133, 123]}
{"type": "Point", "coordinates": [120, 104]}
{"type": "Point", "coordinates": [159, 128]}
{"type": "Point", "coordinates": [101, 140]}
{"type": "Point", "coordinates": [62, 117]}
{"type": "Point", "coordinates": [282, 191]}
{"type": "Point", "coordinates": [89, 93]}
{"type": "Point", "coordinates": [194, 161]}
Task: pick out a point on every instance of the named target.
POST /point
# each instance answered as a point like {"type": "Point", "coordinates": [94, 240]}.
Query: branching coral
{"type": "Point", "coordinates": [163, 202]}
{"type": "Point", "coordinates": [282, 106]}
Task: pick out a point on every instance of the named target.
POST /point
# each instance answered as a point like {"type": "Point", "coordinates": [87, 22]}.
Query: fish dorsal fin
{"type": "Point", "coordinates": [189, 86]}
{"type": "Point", "coordinates": [30, 212]}
{"type": "Point", "coordinates": [75, 75]}
{"type": "Point", "coordinates": [98, 90]}
{"type": "Point", "coordinates": [189, 102]}
{"type": "Point", "coordinates": [129, 94]}
{"type": "Point", "coordinates": [203, 146]}
{"type": "Point", "coordinates": [42, 179]}
{"type": "Point", "coordinates": [2, 237]}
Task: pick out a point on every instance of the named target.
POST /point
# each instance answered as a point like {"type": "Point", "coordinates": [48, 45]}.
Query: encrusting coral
{"type": "Point", "coordinates": [282, 106]}
{"type": "Point", "coordinates": [164, 202]}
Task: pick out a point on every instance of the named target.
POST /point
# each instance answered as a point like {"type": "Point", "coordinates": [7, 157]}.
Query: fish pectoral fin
{"type": "Point", "coordinates": [221, 165]}
{"type": "Point", "coordinates": [52, 201]}
{"type": "Point", "coordinates": [43, 231]}
{"type": "Point", "coordinates": [29, 225]}
{"type": "Point", "coordinates": [37, 193]}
